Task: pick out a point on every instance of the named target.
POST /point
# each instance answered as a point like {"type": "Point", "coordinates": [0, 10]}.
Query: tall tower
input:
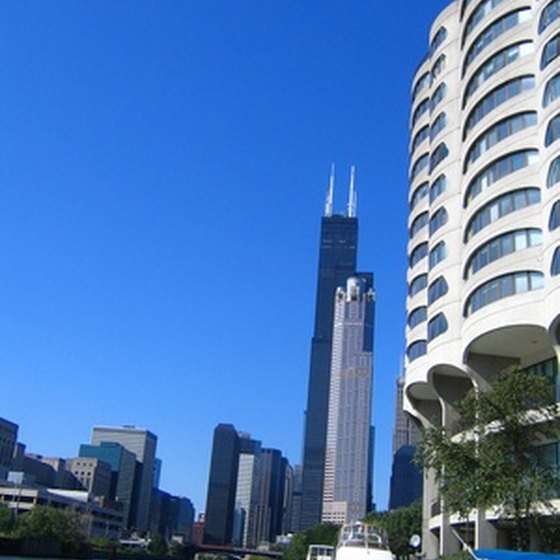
{"type": "Point", "coordinates": [337, 262]}
{"type": "Point", "coordinates": [484, 224]}
{"type": "Point", "coordinates": [347, 479]}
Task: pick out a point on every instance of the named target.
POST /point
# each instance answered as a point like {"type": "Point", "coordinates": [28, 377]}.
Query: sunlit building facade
{"type": "Point", "coordinates": [484, 223]}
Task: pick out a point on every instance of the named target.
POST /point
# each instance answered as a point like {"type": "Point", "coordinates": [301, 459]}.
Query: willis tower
{"type": "Point", "coordinates": [337, 262]}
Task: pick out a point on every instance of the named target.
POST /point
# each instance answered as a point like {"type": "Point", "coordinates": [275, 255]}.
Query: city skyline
{"type": "Point", "coordinates": [164, 171]}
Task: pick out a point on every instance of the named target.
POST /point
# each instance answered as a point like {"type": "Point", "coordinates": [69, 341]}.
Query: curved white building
{"type": "Point", "coordinates": [484, 223]}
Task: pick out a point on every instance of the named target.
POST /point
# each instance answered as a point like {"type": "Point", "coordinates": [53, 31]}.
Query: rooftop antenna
{"type": "Point", "coordinates": [352, 197]}
{"type": "Point", "coordinates": [329, 201]}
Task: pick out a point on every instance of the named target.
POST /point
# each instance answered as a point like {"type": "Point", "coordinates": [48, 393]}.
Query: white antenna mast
{"type": "Point", "coordinates": [330, 195]}
{"type": "Point", "coordinates": [352, 197]}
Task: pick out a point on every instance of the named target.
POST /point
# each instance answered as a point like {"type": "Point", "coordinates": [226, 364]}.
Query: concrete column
{"type": "Point", "coordinates": [485, 534]}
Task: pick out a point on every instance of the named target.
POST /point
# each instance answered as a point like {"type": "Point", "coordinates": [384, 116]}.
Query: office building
{"type": "Point", "coordinates": [484, 224]}
{"type": "Point", "coordinates": [92, 475]}
{"type": "Point", "coordinates": [347, 479]}
{"type": "Point", "coordinates": [8, 440]}
{"type": "Point", "coordinates": [337, 262]}
{"type": "Point", "coordinates": [142, 443]}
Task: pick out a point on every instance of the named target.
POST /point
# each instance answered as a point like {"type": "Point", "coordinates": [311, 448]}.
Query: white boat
{"type": "Point", "coordinates": [320, 552]}
{"type": "Point", "coordinates": [361, 541]}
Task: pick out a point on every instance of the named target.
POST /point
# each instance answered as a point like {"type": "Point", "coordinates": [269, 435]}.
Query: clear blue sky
{"type": "Point", "coordinates": [163, 168]}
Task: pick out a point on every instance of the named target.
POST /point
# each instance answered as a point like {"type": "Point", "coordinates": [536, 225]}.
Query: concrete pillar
{"type": "Point", "coordinates": [485, 534]}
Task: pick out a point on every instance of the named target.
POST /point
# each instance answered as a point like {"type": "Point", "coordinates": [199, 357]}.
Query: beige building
{"type": "Point", "coordinates": [484, 224]}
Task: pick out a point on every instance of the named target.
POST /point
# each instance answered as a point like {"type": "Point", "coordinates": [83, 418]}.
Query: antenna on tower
{"type": "Point", "coordinates": [329, 201]}
{"type": "Point", "coordinates": [352, 196]}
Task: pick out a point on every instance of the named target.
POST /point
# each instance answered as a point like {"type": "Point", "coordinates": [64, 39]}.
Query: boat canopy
{"type": "Point", "coordinates": [500, 554]}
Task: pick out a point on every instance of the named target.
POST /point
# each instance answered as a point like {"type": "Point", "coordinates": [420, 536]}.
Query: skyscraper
{"type": "Point", "coordinates": [347, 479]}
{"type": "Point", "coordinates": [484, 224]}
{"type": "Point", "coordinates": [337, 262]}
{"type": "Point", "coordinates": [143, 444]}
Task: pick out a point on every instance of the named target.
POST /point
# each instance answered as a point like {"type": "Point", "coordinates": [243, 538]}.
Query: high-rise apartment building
{"type": "Point", "coordinates": [484, 224]}
{"type": "Point", "coordinates": [143, 444]}
{"type": "Point", "coordinates": [337, 262]}
{"type": "Point", "coordinates": [347, 479]}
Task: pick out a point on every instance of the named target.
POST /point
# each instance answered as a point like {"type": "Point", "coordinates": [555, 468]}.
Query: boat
{"type": "Point", "coordinates": [320, 552]}
{"type": "Point", "coordinates": [362, 541]}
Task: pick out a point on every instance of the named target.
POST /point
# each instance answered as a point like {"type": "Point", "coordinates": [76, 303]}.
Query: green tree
{"type": "Point", "coordinates": [158, 545]}
{"type": "Point", "coordinates": [493, 459]}
{"type": "Point", "coordinates": [325, 533]}
{"type": "Point", "coordinates": [6, 520]}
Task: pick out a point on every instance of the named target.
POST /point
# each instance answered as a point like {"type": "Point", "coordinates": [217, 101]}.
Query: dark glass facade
{"type": "Point", "coordinates": [337, 261]}
{"type": "Point", "coordinates": [406, 478]}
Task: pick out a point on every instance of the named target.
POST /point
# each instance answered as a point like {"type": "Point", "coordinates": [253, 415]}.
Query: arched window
{"type": "Point", "coordinates": [550, 51]}
{"type": "Point", "coordinates": [555, 263]}
{"type": "Point", "coordinates": [502, 287]}
{"type": "Point", "coordinates": [420, 136]}
{"type": "Point", "coordinates": [438, 67]}
{"type": "Point", "coordinates": [438, 219]}
{"type": "Point", "coordinates": [418, 253]}
{"type": "Point", "coordinates": [422, 82]}
{"type": "Point", "coordinates": [438, 96]}
{"type": "Point", "coordinates": [550, 13]}
{"type": "Point", "coordinates": [438, 125]}
{"type": "Point", "coordinates": [422, 108]}
{"type": "Point", "coordinates": [418, 284]}
{"type": "Point", "coordinates": [437, 254]}
{"type": "Point", "coordinates": [502, 246]}
{"type": "Point", "coordinates": [496, 63]}
{"type": "Point", "coordinates": [438, 39]}
{"type": "Point", "coordinates": [553, 176]}
{"type": "Point", "coordinates": [502, 206]}
{"type": "Point", "coordinates": [420, 164]}
{"type": "Point", "coordinates": [552, 131]}
{"type": "Point", "coordinates": [438, 155]}
{"type": "Point", "coordinates": [551, 90]}
{"type": "Point", "coordinates": [554, 218]}
{"type": "Point", "coordinates": [437, 326]}
{"type": "Point", "coordinates": [418, 224]}
{"type": "Point", "coordinates": [498, 169]}
{"type": "Point", "coordinates": [498, 132]}
{"type": "Point", "coordinates": [483, 9]}
{"type": "Point", "coordinates": [416, 316]}
{"type": "Point", "coordinates": [416, 350]}
{"type": "Point", "coordinates": [438, 187]}
{"type": "Point", "coordinates": [437, 289]}
{"type": "Point", "coordinates": [419, 193]}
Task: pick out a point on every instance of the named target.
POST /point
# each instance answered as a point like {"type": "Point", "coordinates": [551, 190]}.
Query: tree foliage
{"type": "Point", "coordinates": [325, 533]}
{"type": "Point", "coordinates": [50, 524]}
{"type": "Point", "coordinates": [6, 520]}
{"type": "Point", "coordinates": [493, 459]}
{"type": "Point", "coordinates": [158, 545]}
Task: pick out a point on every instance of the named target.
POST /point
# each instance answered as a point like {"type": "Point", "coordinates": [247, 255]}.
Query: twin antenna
{"type": "Point", "coordinates": [352, 195]}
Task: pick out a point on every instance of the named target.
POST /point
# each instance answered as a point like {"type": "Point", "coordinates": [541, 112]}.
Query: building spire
{"type": "Point", "coordinates": [330, 194]}
{"type": "Point", "coordinates": [352, 196]}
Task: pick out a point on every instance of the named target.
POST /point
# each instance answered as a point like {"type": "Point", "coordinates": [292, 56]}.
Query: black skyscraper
{"type": "Point", "coordinates": [220, 501]}
{"type": "Point", "coordinates": [337, 261]}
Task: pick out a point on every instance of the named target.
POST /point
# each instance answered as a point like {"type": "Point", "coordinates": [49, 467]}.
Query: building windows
{"type": "Point", "coordinates": [418, 253]}
{"type": "Point", "coordinates": [438, 125]}
{"type": "Point", "coordinates": [495, 98]}
{"type": "Point", "coordinates": [417, 316]}
{"type": "Point", "coordinates": [438, 219]}
{"type": "Point", "coordinates": [483, 9]}
{"type": "Point", "coordinates": [553, 175]}
{"type": "Point", "coordinates": [416, 350]}
{"type": "Point", "coordinates": [552, 131]}
{"type": "Point", "coordinates": [498, 169]}
{"type": "Point", "coordinates": [502, 287]}
{"type": "Point", "coordinates": [437, 254]}
{"type": "Point", "coordinates": [550, 51]}
{"type": "Point", "coordinates": [497, 133]}
{"type": "Point", "coordinates": [422, 82]}
{"type": "Point", "coordinates": [438, 187]}
{"type": "Point", "coordinates": [494, 64]}
{"type": "Point", "coordinates": [502, 206]}
{"type": "Point", "coordinates": [493, 31]}
{"type": "Point", "coordinates": [551, 91]}
{"type": "Point", "coordinates": [502, 246]}
{"type": "Point", "coordinates": [421, 135]}
{"type": "Point", "coordinates": [419, 193]}
{"type": "Point", "coordinates": [466, 4]}
{"type": "Point", "coordinates": [438, 39]}
{"type": "Point", "coordinates": [555, 264]}
{"type": "Point", "coordinates": [438, 67]}
{"type": "Point", "coordinates": [437, 289]}
{"type": "Point", "coordinates": [418, 284]}
{"type": "Point", "coordinates": [550, 13]}
{"type": "Point", "coordinates": [438, 96]}
{"type": "Point", "coordinates": [420, 164]}
{"type": "Point", "coordinates": [438, 155]}
{"type": "Point", "coordinates": [436, 326]}
{"type": "Point", "coordinates": [554, 219]}
{"type": "Point", "coordinates": [422, 108]}
{"type": "Point", "coordinates": [418, 224]}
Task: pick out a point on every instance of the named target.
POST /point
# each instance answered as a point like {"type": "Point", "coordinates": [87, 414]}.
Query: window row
{"type": "Point", "coordinates": [416, 350]}
{"type": "Point", "coordinates": [423, 82]}
{"type": "Point", "coordinates": [553, 175]}
{"type": "Point", "coordinates": [498, 132]}
{"type": "Point", "coordinates": [438, 67]}
{"type": "Point", "coordinates": [498, 169]}
{"type": "Point", "coordinates": [438, 220]}
{"type": "Point", "coordinates": [483, 9]}
{"type": "Point", "coordinates": [554, 218]}
{"type": "Point", "coordinates": [437, 289]}
{"type": "Point", "coordinates": [555, 264]}
{"type": "Point", "coordinates": [502, 206]}
{"type": "Point", "coordinates": [495, 98]}
{"type": "Point", "coordinates": [550, 51]}
{"type": "Point", "coordinates": [438, 39]}
{"type": "Point", "coordinates": [437, 254]}
{"type": "Point", "coordinates": [420, 222]}
{"type": "Point", "coordinates": [494, 64]}
{"type": "Point", "coordinates": [418, 253]}
{"type": "Point", "coordinates": [502, 246]}
{"type": "Point", "coordinates": [417, 316]}
{"type": "Point", "coordinates": [417, 284]}
{"type": "Point", "coordinates": [502, 287]}
{"type": "Point", "coordinates": [551, 91]}
{"type": "Point", "coordinates": [422, 108]}
{"type": "Point", "coordinates": [427, 131]}
{"type": "Point", "coordinates": [438, 96]}
{"type": "Point", "coordinates": [438, 187]}
{"type": "Point", "coordinates": [420, 164]}
{"type": "Point", "coordinates": [550, 13]}
{"type": "Point", "coordinates": [552, 131]}
{"type": "Point", "coordinates": [436, 326]}
{"type": "Point", "coordinates": [420, 136]}
{"type": "Point", "coordinates": [420, 193]}
{"type": "Point", "coordinates": [438, 125]}
{"type": "Point", "coordinates": [493, 31]}
{"type": "Point", "coordinates": [438, 155]}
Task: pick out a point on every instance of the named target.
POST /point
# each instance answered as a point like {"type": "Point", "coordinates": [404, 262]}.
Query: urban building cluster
{"type": "Point", "coordinates": [113, 482]}
{"type": "Point", "coordinates": [484, 223]}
